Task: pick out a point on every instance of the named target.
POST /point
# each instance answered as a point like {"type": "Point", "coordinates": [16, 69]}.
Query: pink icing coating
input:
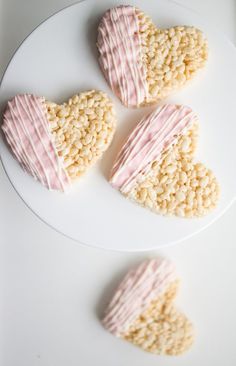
{"type": "Point", "coordinates": [27, 132]}
{"type": "Point", "coordinates": [154, 134]}
{"type": "Point", "coordinates": [119, 46]}
{"type": "Point", "coordinates": [135, 293]}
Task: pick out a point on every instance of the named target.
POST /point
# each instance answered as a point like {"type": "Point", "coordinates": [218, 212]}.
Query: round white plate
{"type": "Point", "coordinates": [59, 59]}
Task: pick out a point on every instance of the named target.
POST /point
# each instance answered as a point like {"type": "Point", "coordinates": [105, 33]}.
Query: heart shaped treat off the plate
{"type": "Point", "coordinates": [155, 166]}
{"type": "Point", "coordinates": [58, 143]}
{"type": "Point", "coordinates": [142, 63]}
{"type": "Point", "coordinates": [142, 310]}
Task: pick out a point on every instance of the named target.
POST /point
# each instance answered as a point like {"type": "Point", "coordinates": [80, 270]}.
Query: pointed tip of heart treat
{"type": "Point", "coordinates": [142, 310]}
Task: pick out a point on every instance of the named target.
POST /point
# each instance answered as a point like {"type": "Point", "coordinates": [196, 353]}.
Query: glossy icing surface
{"type": "Point", "coordinates": [154, 134]}
{"type": "Point", "coordinates": [26, 130]}
{"type": "Point", "coordinates": [119, 46]}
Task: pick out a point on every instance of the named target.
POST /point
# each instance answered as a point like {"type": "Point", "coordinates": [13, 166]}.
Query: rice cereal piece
{"type": "Point", "coordinates": [142, 310]}
{"type": "Point", "coordinates": [142, 63]}
{"type": "Point", "coordinates": [156, 166]}
{"type": "Point", "coordinates": [58, 143]}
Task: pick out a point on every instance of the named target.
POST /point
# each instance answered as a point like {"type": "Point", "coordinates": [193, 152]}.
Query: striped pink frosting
{"type": "Point", "coordinates": [135, 293]}
{"type": "Point", "coordinates": [153, 135]}
{"type": "Point", "coordinates": [27, 132]}
{"type": "Point", "coordinates": [120, 59]}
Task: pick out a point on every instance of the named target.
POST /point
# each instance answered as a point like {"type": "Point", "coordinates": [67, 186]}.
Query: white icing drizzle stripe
{"type": "Point", "coordinates": [120, 58]}
{"type": "Point", "coordinates": [20, 137]}
{"type": "Point", "coordinates": [126, 156]}
{"type": "Point", "coordinates": [114, 65]}
{"type": "Point", "coordinates": [127, 45]}
{"type": "Point", "coordinates": [152, 136]}
{"type": "Point", "coordinates": [27, 132]}
{"type": "Point", "coordinates": [135, 293]}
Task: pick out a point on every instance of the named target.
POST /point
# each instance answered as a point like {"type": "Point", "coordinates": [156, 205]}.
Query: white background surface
{"type": "Point", "coordinates": [52, 288]}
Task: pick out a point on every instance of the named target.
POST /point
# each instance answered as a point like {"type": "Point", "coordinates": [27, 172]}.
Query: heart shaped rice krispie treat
{"type": "Point", "coordinates": [57, 143]}
{"type": "Point", "coordinates": [142, 63]}
{"type": "Point", "coordinates": [156, 166]}
{"type": "Point", "coordinates": [142, 310]}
